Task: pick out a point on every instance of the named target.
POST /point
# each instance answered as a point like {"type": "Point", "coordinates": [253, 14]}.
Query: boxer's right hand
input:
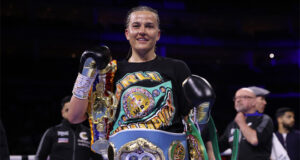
{"type": "Point", "coordinates": [90, 62]}
{"type": "Point", "coordinates": [94, 59]}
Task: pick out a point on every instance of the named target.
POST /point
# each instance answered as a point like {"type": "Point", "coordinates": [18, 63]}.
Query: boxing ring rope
{"type": "Point", "coordinates": [23, 157]}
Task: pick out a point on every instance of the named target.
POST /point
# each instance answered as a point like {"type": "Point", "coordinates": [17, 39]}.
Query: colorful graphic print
{"type": "Point", "coordinates": [132, 78]}
{"type": "Point", "coordinates": [144, 107]}
{"type": "Point", "coordinates": [137, 102]}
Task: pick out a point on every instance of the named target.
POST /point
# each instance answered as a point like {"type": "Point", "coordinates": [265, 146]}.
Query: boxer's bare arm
{"type": "Point", "coordinates": [77, 110]}
{"type": "Point", "coordinates": [91, 62]}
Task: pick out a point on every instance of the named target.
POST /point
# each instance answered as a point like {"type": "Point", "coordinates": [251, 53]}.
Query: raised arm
{"type": "Point", "coordinates": [90, 63]}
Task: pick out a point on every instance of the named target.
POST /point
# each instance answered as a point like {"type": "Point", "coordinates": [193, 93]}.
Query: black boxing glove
{"type": "Point", "coordinates": [97, 58]}
{"type": "Point", "coordinates": [200, 95]}
{"type": "Point", "coordinates": [91, 62]}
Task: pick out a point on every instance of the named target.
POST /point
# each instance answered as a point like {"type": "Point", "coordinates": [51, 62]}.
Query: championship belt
{"type": "Point", "coordinates": [201, 116]}
{"type": "Point", "coordinates": [102, 107]}
{"type": "Point", "coordinates": [149, 144]}
{"type": "Point", "coordinates": [136, 133]}
{"type": "Point", "coordinates": [201, 96]}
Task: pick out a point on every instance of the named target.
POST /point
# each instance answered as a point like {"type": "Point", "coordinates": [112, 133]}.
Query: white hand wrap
{"type": "Point", "coordinates": [82, 86]}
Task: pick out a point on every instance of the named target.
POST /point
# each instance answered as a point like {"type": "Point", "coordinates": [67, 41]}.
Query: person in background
{"type": "Point", "coordinates": [288, 137]}
{"type": "Point", "coordinates": [66, 141]}
{"type": "Point", "coordinates": [261, 94]}
{"type": "Point", "coordinates": [255, 137]}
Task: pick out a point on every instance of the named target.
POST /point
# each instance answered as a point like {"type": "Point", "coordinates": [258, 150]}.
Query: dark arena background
{"type": "Point", "coordinates": [231, 44]}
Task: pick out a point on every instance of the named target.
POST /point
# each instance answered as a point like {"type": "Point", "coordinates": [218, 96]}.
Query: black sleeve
{"type": "Point", "coordinates": [45, 145]}
{"type": "Point", "coordinates": [205, 134]}
{"type": "Point", "coordinates": [182, 72]}
{"type": "Point", "coordinates": [264, 130]}
{"type": "Point", "coordinates": [223, 140]}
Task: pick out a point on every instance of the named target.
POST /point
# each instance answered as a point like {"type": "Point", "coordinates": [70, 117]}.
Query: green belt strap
{"type": "Point", "coordinates": [235, 145]}
{"type": "Point", "coordinates": [213, 138]}
{"type": "Point", "coordinates": [194, 131]}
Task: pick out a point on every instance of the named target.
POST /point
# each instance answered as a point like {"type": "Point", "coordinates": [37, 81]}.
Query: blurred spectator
{"type": "Point", "coordinates": [4, 153]}
{"type": "Point", "coordinates": [255, 137]}
{"type": "Point", "coordinates": [288, 137]}
{"type": "Point", "coordinates": [261, 94]}
{"type": "Point", "coordinates": [66, 141]}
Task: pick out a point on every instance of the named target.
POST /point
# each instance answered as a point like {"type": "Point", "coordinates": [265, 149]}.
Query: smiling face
{"type": "Point", "coordinates": [142, 32]}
